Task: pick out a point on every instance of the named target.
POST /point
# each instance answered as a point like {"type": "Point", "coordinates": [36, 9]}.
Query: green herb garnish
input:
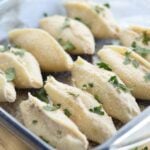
{"type": "Point", "coordinates": [146, 38]}
{"type": "Point", "coordinates": [53, 107]}
{"type": "Point", "coordinates": [129, 60]}
{"type": "Point", "coordinates": [10, 74]}
{"type": "Point", "coordinates": [5, 48]}
{"type": "Point", "coordinates": [77, 18]}
{"type": "Point", "coordinates": [140, 50]}
{"type": "Point", "coordinates": [34, 121]}
{"type": "Point", "coordinates": [145, 148]}
{"type": "Point", "coordinates": [44, 139]}
{"type": "Point", "coordinates": [97, 97]}
{"type": "Point", "coordinates": [147, 77]}
{"type": "Point", "coordinates": [20, 52]}
{"type": "Point", "coordinates": [97, 110]}
{"type": "Point", "coordinates": [67, 46]}
{"type": "Point", "coordinates": [67, 112]}
{"type": "Point", "coordinates": [73, 94]}
{"type": "Point", "coordinates": [107, 5]}
{"type": "Point", "coordinates": [42, 95]}
{"type": "Point", "coordinates": [104, 66]}
{"type": "Point", "coordinates": [66, 23]}
{"type": "Point", "coordinates": [87, 86]}
{"type": "Point", "coordinates": [98, 9]}
{"type": "Point", "coordinates": [114, 81]}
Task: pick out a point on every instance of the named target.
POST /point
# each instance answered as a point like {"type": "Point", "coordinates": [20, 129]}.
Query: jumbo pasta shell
{"type": "Point", "coordinates": [97, 17]}
{"type": "Point", "coordinates": [117, 103]}
{"type": "Point", "coordinates": [44, 47]}
{"type": "Point", "coordinates": [97, 127]}
{"type": "Point", "coordinates": [133, 76]}
{"type": "Point", "coordinates": [73, 35]}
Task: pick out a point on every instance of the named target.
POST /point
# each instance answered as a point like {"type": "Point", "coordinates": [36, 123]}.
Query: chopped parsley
{"type": "Point", "coordinates": [107, 5]}
{"type": "Point", "coordinates": [145, 148]}
{"type": "Point", "coordinates": [5, 48]}
{"type": "Point", "coordinates": [73, 94]}
{"type": "Point", "coordinates": [19, 52]}
{"type": "Point", "coordinates": [67, 112]}
{"type": "Point", "coordinates": [147, 77]}
{"type": "Point", "coordinates": [87, 86]}
{"type": "Point", "coordinates": [114, 81]}
{"type": "Point", "coordinates": [98, 110]}
{"type": "Point", "coordinates": [44, 139]}
{"type": "Point", "coordinates": [66, 23]}
{"type": "Point", "coordinates": [98, 9]}
{"type": "Point", "coordinates": [140, 50]}
{"type": "Point", "coordinates": [104, 66]}
{"type": "Point", "coordinates": [129, 60]}
{"type": "Point", "coordinates": [42, 95]}
{"type": "Point", "coordinates": [34, 121]}
{"type": "Point", "coordinates": [10, 74]}
{"type": "Point", "coordinates": [146, 38]}
{"type": "Point", "coordinates": [77, 18]}
{"type": "Point", "coordinates": [67, 46]}
{"type": "Point", "coordinates": [53, 107]}
{"type": "Point", "coordinates": [97, 97]}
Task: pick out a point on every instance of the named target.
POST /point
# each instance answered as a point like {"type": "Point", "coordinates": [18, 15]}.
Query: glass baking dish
{"type": "Point", "coordinates": [22, 19]}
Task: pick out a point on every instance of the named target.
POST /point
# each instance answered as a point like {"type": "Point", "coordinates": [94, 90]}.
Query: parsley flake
{"type": "Point", "coordinates": [5, 48]}
{"type": "Point", "coordinates": [129, 60]}
{"type": "Point", "coordinates": [34, 121]}
{"type": "Point", "coordinates": [104, 66]}
{"type": "Point", "coordinates": [67, 112]}
{"type": "Point", "coordinates": [77, 18]}
{"type": "Point", "coordinates": [67, 45]}
{"type": "Point", "coordinates": [87, 86]}
{"type": "Point", "coordinates": [107, 5]}
{"type": "Point", "coordinates": [73, 94]}
{"type": "Point", "coordinates": [140, 50]}
{"type": "Point", "coordinates": [114, 81]}
{"type": "Point", "coordinates": [146, 38]}
{"type": "Point", "coordinates": [44, 139]}
{"type": "Point", "coordinates": [53, 107]}
{"type": "Point", "coordinates": [10, 74]}
{"type": "Point", "coordinates": [19, 52]}
{"type": "Point", "coordinates": [98, 9]}
{"type": "Point", "coordinates": [42, 95]}
{"type": "Point", "coordinates": [97, 110]}
{"type": "Point", "coordinates": [97, 97]}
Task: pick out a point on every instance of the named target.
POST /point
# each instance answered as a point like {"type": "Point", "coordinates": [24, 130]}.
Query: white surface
{"type": "Point", "coordinates": [29, 12]}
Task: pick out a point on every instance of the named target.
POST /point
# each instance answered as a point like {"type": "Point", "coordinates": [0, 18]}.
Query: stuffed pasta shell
{"type": "Point", "coordinates": [52, 125]}
{"type": "Point", "coordinates": [107, 88]}
{"type": "Point", "coordinates": [130, 67]}
{"type": "Point", "coordinates": [83, 109]}
{"type": "Point", "coordinates": [44, 47]}
{"type": "Point", "coordinates": [22, 65]}
{"type": "Point", "coordinates": [97, 17]}
{"type": "Point", "coordinates": [74, 36]}
{"type": "Point", "coordinates": [138, 38]}
{"type": "Point", "coordinates": [7, 89]}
